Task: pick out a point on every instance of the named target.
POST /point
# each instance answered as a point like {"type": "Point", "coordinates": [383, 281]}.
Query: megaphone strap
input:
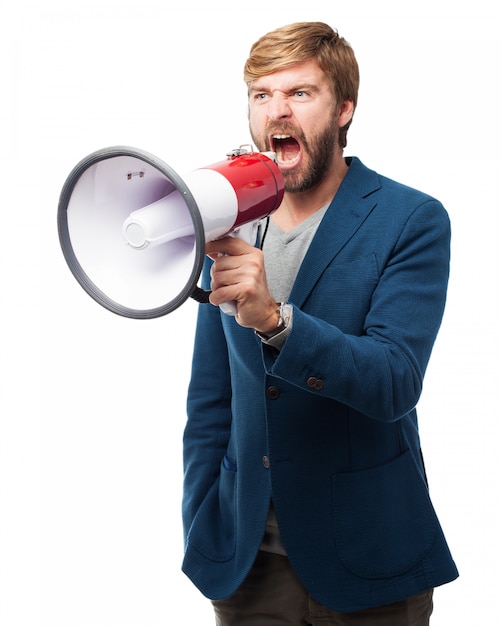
{"type": "Point", "coordinates": [200, 295]}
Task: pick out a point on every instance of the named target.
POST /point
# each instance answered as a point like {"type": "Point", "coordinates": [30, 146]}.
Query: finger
{"type": "Point", "coordinates": [231, 246]}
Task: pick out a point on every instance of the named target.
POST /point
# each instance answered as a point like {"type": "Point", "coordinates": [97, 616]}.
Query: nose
{"type": "Point", "coordinates": [279, 107]}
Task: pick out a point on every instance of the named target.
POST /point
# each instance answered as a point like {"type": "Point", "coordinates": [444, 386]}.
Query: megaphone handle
{"type": "Point", "coordinates": [247, 232]}
{"type": "Point", "coordinates": [230, 308]}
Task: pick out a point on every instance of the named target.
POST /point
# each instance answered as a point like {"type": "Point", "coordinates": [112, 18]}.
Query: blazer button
{"type": "Point", "coordinates": [315, 383]}
{"type": "Point", "coordinates": [266, 462]}
{"type": "Point", "coordinates": [273, 392]}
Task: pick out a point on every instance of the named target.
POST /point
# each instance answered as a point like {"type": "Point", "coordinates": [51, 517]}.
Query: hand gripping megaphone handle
{"type": "Point", "coordinates": [247, 232]}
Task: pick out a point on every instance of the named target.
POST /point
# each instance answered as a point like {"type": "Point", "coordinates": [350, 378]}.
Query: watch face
{"type": "Point", "coordinates": [285, 314]}
{"type": "Point", "coordinates": [284, 319]}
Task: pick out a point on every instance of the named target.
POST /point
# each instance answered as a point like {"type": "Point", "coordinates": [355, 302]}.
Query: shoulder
{"type": "Point", "coordinates": [387, 192]}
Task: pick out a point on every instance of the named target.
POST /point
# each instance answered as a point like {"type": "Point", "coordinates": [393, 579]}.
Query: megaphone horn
{"type": "Point", "coordinates": [133, 232]}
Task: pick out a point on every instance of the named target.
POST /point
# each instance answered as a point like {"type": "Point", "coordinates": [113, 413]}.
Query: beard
{"type": "Point", "coordinates": [319, 151]}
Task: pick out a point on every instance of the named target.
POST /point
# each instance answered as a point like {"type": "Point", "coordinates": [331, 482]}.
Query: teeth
{"type": "Point", "coordinates": [281, 136]}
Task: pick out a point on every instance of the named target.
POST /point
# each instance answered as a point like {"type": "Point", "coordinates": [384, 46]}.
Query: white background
{"type": "Point", "coordinates": [93, 405]}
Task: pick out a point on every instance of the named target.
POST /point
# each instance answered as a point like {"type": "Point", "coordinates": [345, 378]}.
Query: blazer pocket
{"type": "Point", "coordinates": [212, 532]}
{"type": "Point", "coordinates": [384, 522]}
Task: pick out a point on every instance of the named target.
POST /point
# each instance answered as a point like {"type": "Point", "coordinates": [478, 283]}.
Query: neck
{"type": "Point", "coordinates": [296, 207]}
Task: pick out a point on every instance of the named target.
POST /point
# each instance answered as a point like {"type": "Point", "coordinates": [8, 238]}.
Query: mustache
{"type": "Point", "coordinates": [284, 128]}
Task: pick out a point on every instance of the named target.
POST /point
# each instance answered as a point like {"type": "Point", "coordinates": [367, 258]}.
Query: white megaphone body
{"type": "Point", "coordinates": [133, 232]}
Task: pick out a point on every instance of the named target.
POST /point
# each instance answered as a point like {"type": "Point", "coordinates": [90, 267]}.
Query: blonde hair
{"type": "Point", "coordinates": [301, 41]}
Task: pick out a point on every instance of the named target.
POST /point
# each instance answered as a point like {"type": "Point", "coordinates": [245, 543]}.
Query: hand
{"type": "Point", "coordinates": [238, 275]}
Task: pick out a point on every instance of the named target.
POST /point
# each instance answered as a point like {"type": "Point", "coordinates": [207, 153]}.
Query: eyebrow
{"type": "Point", "coordinates": [297, 87]}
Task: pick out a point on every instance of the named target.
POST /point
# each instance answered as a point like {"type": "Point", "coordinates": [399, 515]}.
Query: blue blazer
{"type": "Point", "coordinates": [327, 427]}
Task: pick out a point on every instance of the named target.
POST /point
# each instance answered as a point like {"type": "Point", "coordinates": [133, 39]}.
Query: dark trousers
{"type": "Point", "coordinates": [272, 595]}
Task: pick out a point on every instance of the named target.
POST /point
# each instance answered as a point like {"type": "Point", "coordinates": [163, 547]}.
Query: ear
{"type": "Point", "coordinates": [345, 113]}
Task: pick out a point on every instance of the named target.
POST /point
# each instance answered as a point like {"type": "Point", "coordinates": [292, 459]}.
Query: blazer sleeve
{"type": "Point", "coordinates": [378, 371]}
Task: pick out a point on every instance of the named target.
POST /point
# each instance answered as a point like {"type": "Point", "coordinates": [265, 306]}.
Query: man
{"type": "Point", "coordinates": [305, 496]}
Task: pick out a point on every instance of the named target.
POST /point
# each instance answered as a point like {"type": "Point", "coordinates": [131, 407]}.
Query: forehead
{"type": "Point", "coordinates": [297, 75]}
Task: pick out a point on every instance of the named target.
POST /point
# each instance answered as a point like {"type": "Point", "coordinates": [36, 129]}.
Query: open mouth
{"type": "Point", "coordinates": [287, 149]}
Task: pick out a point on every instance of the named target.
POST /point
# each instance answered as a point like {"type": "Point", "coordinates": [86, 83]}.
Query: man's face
{"type": "Point", "coordinates": [292, 113]}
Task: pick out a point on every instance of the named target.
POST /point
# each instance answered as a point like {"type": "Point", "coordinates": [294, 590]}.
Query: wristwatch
{"type": "Point", "coordinates": [284, 311]}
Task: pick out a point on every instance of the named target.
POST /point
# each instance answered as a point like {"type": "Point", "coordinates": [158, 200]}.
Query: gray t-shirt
{"type": "Point", "coordinates": [284, 252]}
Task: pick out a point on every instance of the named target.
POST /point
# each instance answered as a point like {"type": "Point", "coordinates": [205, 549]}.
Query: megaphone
{"type": "Point", "coordinates": [133, 232]}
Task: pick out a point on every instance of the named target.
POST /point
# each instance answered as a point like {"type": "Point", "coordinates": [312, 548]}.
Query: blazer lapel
{"type": "Point", "coordinates": [351, 205]}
